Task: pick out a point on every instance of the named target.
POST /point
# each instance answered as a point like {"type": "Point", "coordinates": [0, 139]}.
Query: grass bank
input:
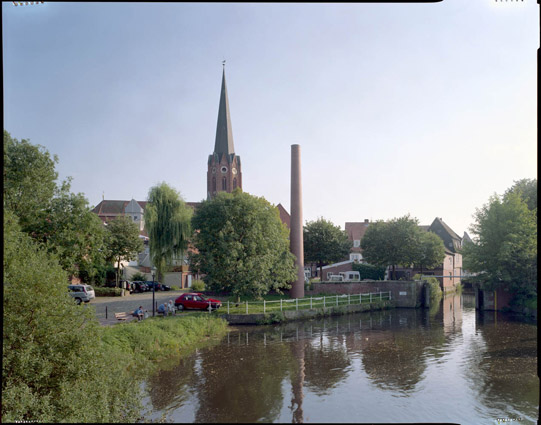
{"type": "Point", "coordinates": [277, 304]}
{"type": "Point", "coordinates": [143, 344]}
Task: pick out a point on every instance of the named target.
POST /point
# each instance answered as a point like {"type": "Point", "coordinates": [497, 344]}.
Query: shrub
{"type": "Point", "coordinates": [198, 285]}
{"type": "Point", "coordinates": [50, 371]}
{"type": "Point", "coordinates": [107, 292]}
{"type": "Point", "coordinates": [434, 290]}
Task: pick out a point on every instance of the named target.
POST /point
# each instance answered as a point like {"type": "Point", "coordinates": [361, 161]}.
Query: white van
{"type": "Point", "coordinates": [351, 276]}
{"type": "Point", "coordinates": [81, 293]}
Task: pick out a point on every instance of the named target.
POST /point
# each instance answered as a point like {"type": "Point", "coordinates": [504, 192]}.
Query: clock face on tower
{"type": "Point", "coordinates": [224, 170]}
{"type": "Point", "coordinates": [234, 170]}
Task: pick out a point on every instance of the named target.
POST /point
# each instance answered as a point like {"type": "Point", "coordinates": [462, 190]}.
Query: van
{"type": "Point", "coordinates": [81, 293]}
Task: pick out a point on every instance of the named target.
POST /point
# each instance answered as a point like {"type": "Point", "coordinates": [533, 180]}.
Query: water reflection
{"type": "Point", "coordinates": [356, 368]}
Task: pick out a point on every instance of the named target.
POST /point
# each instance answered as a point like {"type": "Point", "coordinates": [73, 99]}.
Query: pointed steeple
{"type": "Point", "coordinates": [224, 132]}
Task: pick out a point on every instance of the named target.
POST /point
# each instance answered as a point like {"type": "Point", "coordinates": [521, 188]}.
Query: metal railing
{"type": "Point", "coordinates": [306, 303]}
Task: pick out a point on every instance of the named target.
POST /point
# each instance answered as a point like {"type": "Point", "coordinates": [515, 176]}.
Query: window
{"type": "Point", "coordinates": [234, 183]}
{"type": "Point", "coordinates": [214, 184]}
{"type": "Point", "coordinates": [357, 243]}
{"type": "Point", "coordinates": [224, 184]}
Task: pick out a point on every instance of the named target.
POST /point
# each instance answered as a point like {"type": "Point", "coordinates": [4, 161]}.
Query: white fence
{"type": "Point", "coordinates": [309, 303]}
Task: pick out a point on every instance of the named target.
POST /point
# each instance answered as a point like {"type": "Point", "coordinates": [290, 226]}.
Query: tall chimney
{"type": "Point", "coordinates": [296, 232]}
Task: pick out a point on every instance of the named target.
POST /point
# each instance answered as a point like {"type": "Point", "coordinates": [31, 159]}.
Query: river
{"type": "Point", "coordinates": [452, 365]}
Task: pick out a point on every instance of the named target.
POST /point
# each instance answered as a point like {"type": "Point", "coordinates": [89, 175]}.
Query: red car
{"type": "Point", "coordinates": [196, 301]}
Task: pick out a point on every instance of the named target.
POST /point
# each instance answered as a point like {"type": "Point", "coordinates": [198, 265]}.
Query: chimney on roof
{"type": "Point", "coordinates": [365, 221]}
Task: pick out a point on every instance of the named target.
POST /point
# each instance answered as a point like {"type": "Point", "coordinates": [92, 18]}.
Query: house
{"type": "Point", "coordinates": [356, 231]}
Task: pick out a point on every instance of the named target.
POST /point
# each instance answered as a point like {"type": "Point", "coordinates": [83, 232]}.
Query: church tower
{"type": "Point", "coordinates": [224, 169]}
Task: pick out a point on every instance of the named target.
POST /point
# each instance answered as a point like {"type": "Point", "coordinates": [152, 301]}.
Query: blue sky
{"type": "Point", "coordinates": [426, 109]}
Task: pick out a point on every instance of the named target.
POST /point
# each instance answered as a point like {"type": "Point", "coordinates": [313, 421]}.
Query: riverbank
{"type": "Point", "coordinates": [143, 344]}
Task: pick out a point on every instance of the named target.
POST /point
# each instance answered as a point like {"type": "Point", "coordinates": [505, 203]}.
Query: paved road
{"type": "Point", "coordinates": [112, 305]}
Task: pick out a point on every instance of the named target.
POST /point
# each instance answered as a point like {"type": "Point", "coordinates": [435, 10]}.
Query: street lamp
{"type": "Point", "coordinates": [153, 290]}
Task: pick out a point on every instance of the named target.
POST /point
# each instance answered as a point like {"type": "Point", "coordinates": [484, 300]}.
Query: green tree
{"type": "Point", "coordinates": [392, 243]}
{"type": "Point", "coordinates": [168, 223]}
{"type": "Point", "coordinates": [527, 190]}
{"type": "Point", "coordinates": [504, 248]}
{"type": "Point", "coordinates": [69, 229]}
{"type": "Point", "coordinates": [123, 242]}
{"type": "Point", "coordinates": [430, 251]}
{"type": "Point", "coordinates": [54, 365]}
{"type": "Point", "coordinates": [29, 179]}
{"type": "Point", "coordinates": [367, 271]}
{"type": "Point", "coordinates": [242, 245]}
{"type": "Point", "coordinates": [324, 243]}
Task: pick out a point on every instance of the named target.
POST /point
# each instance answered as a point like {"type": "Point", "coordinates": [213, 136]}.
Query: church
{"type": "Point", "coordinates": [224, 174]}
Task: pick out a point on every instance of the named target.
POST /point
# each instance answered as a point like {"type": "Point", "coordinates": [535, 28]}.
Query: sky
{"type": "Point", "coordinates": [424, 109]}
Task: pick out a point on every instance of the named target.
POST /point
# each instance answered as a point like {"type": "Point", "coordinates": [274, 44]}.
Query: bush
{"type": "Point", "coordinates": [198, 285]}
{"type": "Point", "coordinates": [50, 371]}
{"type": "Point", "coordinates": [108, 292]}
{"type": "Point", "coordinates": [434, 290]}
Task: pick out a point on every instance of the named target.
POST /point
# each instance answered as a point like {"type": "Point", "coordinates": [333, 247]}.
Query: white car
{"type": "Point", "coordinates": [81, 293]}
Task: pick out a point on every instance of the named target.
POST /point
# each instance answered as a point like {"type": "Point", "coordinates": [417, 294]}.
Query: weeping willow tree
{"type": "Point", "coordinates": [168, 223]}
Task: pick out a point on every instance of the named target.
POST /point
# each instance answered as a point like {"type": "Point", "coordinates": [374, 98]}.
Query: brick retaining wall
{"type": "Point", "coordinates": [403, 293]}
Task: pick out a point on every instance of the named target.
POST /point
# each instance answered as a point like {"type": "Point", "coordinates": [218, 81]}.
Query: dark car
{"type": "Point", "coordinates": [165, 287]}
{"type": "Point", "coordinates": [139, 286]}
{"type": "Point", "coordinates": [150, 284]}
{"type": "Point", "coordinates": [196, 301]}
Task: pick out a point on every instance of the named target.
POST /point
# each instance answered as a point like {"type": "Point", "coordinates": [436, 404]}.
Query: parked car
{"type": "Point", "coordinates": [139, 286]}
{"type": "Point", "coordinates": [196, 301]}
{"type": "Point", "coordinates": [165, 287]}
{"type": "Point", "coordinates": [151, 284]}
{"type": "Point", "coordinates": [81, 293]}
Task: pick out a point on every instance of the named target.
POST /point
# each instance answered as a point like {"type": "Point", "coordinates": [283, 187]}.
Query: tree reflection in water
{"type": "Point", "coordinates": [270, 373]}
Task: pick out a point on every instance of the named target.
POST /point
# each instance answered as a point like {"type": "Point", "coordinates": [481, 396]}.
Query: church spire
{"type": "Point", "coordinates": [224, 133]}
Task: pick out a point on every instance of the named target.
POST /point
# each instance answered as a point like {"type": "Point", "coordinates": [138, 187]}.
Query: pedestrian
{"type": "Point", "coordinates": [162, 310]}
{"type": "Point", "coordinates": [171, 307]}
{"type": "Point", "coordinates": [139, 313]}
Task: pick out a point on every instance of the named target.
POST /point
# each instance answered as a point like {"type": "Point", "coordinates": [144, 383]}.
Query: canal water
{"type": "Point", "coordinates": [452, 365]}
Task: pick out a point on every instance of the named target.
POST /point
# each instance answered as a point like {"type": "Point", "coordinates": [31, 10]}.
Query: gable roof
{"type": "Point", "coordinates": [110, 208]}
{"type": "Point", "coordinates": [451, 241]}
{"type": "Point", "coordinates": [284, 215]}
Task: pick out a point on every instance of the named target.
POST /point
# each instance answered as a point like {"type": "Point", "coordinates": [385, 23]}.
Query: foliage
{"type": "Point", "coordinates": [324, 243]}
{"type": "Point", "coordinates": [504, 251]}
{"type": "Point", "coordinates": [434, 290]}
{"type": "Point", "coordinates": [527, 190]}
{"type": "Point", "coordinates": [107, 292]}
{"type": "Point", "coordinates": [70, 230]}
{"type": "Point", "coordinates": [167, 219]}
{"type": "Point", "coordinates": [430, 251]}
{"type": "Point", "coordinates": [392, 243]}
{"type": "Point", "coordinates": [29, 179]}
{"type": "Point", "coordinates": [242, 245]}
{"type": "Point", "coordinates": [138, 277]}
{"type": "Point", "coordinates": [50, 372]}
{"type": "Point", "coordinates": [367, 271]}
{"type": "Point", "coordinates": [123, 242]}
{"type": "Point", "coordinates": [198, 285]}
{"type": "Point", "coordinates": [62, 221]}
